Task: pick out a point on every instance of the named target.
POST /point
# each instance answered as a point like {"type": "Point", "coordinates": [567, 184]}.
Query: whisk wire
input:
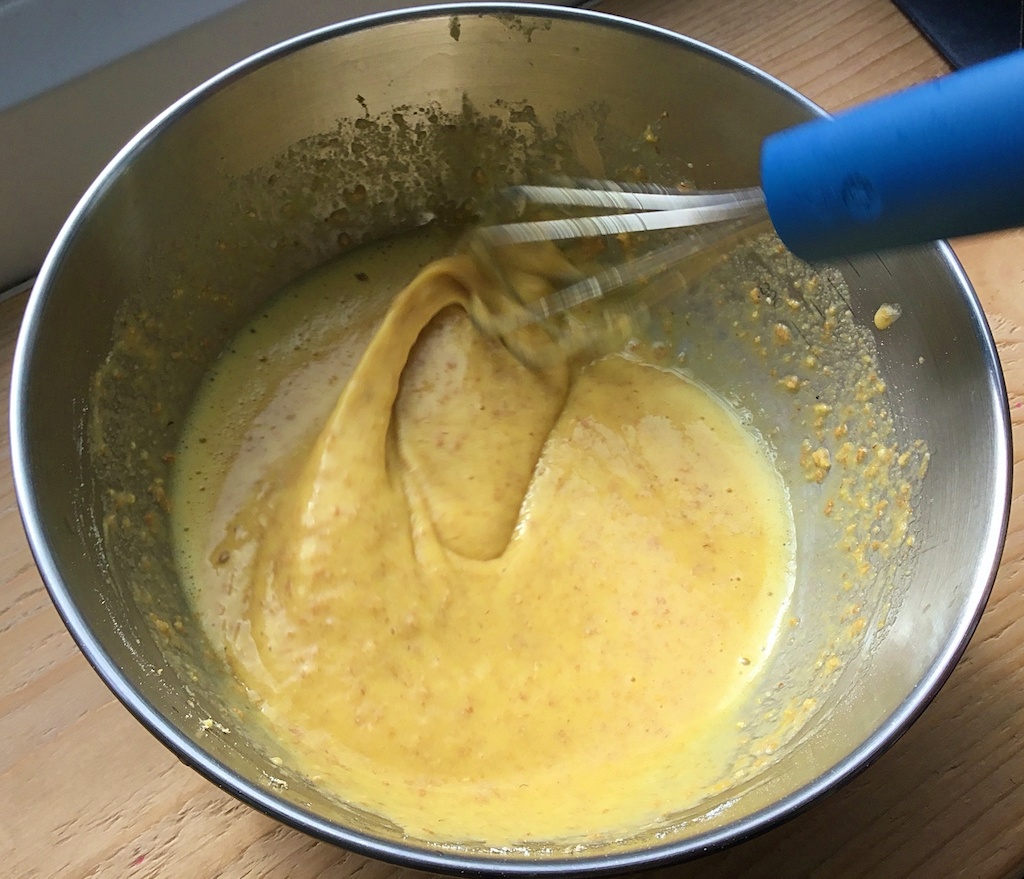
{"type": "Point", "coordinates": [712, 222]}
{"type": "Point", "coordinates": [643, 268]}
{"type": "Point", "coordinates": [638, 197]}
{"type": "Point", "coordinates": [676, 211]}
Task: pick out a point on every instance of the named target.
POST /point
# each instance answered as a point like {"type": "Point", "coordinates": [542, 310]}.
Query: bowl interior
{"type": "Point", "coordinates": [369, 128]}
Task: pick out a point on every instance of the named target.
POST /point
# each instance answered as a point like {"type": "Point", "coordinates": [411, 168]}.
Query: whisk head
{"type": "Point", "coordinates": [578, 270]}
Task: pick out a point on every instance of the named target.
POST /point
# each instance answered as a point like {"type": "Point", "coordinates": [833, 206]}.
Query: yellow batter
{"type": "Point", "coordinates": [493, 604]}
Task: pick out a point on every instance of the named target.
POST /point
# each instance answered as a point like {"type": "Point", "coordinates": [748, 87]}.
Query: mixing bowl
{"type": "Point", "coordinates": [378, 125]}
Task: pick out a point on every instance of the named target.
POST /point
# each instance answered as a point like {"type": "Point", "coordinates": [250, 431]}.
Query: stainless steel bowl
{"type": "Point", "coordinates": [290, 157]}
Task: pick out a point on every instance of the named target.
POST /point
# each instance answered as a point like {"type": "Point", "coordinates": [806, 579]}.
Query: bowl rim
{"type": "Point", "coordinates": [424, 856]}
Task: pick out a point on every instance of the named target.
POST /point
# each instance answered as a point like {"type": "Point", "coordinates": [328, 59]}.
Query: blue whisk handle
{"type": "Point", "coordinates": [938, 160]}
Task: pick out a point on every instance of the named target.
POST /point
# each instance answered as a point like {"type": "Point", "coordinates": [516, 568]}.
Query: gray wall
{"type": "Point", "coordinates": [78, 78]}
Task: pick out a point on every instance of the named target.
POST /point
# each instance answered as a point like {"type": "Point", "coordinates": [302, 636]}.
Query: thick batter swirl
{"type": "Point", "coordinates": [498, 604]}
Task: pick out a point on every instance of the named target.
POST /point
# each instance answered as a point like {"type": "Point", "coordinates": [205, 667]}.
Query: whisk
{"type": "Point", "coordinates": [938, 160]}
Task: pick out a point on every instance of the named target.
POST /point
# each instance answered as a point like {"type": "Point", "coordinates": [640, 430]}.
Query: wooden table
{"type": "Point", "coordinates": [87, 792]}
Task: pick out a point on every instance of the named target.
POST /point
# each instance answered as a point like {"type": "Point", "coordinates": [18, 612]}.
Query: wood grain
{"type": "Point", "coordinates": [86, 792]}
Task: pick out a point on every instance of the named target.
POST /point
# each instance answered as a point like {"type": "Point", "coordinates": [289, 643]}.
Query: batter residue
{"type": "Point", "coordinates": [490, 603]}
